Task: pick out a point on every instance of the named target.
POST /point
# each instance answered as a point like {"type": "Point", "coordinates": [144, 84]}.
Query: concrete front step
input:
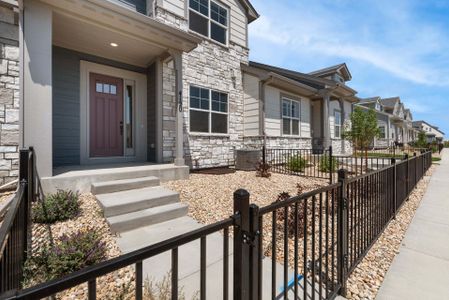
{"type": "Point", "coordinates": [147, 217]}
{"type": "Point", "coordinates": [123, 185]}
{"type": "Point", "coordinates": [124, 202]}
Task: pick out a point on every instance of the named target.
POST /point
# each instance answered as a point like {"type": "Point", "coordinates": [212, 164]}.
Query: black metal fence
{"type": "Point", "coordinates": [322, 164]}
{"type": "Point", "coordinates": [15, 232]}
{"type": "Point", "coordinates": [302, 162]}
{"type": "Point", "coordinates": [319, 237]}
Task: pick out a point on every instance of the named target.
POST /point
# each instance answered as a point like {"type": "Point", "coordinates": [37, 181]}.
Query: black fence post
{"type": "Point", "coordinates": [331, 166]}
{"type": "Point", "coordinates": [24, 176]}
{"type": "Point", "coordinates": [255, 255]}
{"type": "Point", "coordinates": [342, 232]}
{"type": "Point", "coordinates": [395, 184]}
{"type": "Point", "coordinates": [241, 245]}
{"type": "Point", "coordinates": [407, 179]}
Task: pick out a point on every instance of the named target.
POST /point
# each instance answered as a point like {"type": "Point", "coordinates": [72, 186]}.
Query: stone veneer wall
{"type": "Point", "coordinates": [213, 66]}
{"type": "Point", "coordinates": [278, 142]}
{"type": "Point", "coordinates": [9, 95]}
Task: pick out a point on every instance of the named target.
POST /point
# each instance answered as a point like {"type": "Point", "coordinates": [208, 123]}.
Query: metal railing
{"type": "Point", "coordinates": [301, 162]}
{"type": "Point", "coordinates": [319, 237]}
{"type": "Point", "coordinates": [15, 230]}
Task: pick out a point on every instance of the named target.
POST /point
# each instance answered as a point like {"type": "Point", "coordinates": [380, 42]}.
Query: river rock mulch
{"type": "Point", "coordinates": [111, 286]}
{"type": "Point", "coordinates": [210, 197]}
{"type": "Point", "coordinates": [365, 281]}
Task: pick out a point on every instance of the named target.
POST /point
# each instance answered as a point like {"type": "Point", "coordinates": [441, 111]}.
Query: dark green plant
{"type": "Point", "coordinates": [61, 206]}
{"type": "Point", "coordinates": [327, 166]}
{"type": "Point", "coordinates": [69, 254]}
{"type": "Point", "coordinates": [296, 163]}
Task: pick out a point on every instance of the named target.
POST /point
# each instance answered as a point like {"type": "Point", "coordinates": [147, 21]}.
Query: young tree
{"type": "Point", "coordinates": [422, 140]}
{"type": "Point", "coordinates": [362, 130]}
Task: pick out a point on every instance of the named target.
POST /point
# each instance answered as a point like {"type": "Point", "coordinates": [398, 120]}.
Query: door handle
{"type": "Point", "coordinates": [121, 127]}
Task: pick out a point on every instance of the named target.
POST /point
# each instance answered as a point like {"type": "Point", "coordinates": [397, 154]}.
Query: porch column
{"type": "Point", "coordinates": [343, 119]}
{"type": "Point", "coordinates": [326, 128]}
{"type": "Point", "coordinates": [36, 82]}
{"type": "Point", "coordinates": [179, 157]}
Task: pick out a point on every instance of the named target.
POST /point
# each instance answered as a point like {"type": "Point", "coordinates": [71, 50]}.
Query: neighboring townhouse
{"type": "Point", "coordinates": [433, 133]}
{"type": "Point", "coordinates": [290, 109]}
{"type": "Point", "coordinates": [108, 81]}
{"type": "Point", "coordinates": [386, 138]}
{"type": "Point", "coordinates": [394, 121]}
{"type": "Point", "coordinates": [9, 91]}
{"type": "Point", "coordinates": [400, 120]}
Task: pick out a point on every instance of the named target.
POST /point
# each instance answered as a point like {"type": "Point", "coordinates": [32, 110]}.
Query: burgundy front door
{"type": "Point", "coordinates": [106, 116]}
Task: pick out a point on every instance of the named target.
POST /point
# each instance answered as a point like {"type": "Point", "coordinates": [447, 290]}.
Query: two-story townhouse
{"type": "Point", "coordinates": [433, 133]}
{"type": "Point", "coordinates": [290, 109]}
{"type": "Point", "coordinates": [109, 82]}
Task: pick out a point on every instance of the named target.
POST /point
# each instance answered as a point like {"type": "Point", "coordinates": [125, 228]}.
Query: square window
{"type": "Point", "coordinates": [199, 121]}
{"type": "Point", "coordinates": [113, 89]}
{"type": "Point", "coordinates": [219, 123]}
{"type": "Point", "coordinates": [218, 33]}
{"type": "Point", "coordinates": [99, 87]}
{"type": "Point", "coordinates": [198, 23]}
{"type": "Point", "coordinates": [194, 91]}
{"type": "Point", "coordinates": [218, 13]}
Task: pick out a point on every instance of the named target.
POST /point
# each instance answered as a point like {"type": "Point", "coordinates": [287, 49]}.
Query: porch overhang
{"type": "Point", "coordinates": [91, 26]}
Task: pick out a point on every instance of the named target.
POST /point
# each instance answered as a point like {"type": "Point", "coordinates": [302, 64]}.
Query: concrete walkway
{"type": "Point", "coordinates": [421, 269]}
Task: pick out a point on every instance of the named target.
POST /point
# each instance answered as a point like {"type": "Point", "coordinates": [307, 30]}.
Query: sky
{"type": "Point", "coordinates": [392, 48]}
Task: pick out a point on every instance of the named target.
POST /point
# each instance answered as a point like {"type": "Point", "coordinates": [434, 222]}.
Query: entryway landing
{"type": "Point", "coordinates": [79, 178]}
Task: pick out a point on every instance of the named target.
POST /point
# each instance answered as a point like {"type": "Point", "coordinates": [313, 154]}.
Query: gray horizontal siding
{"type": "Point", "coordinates": [66, 102]}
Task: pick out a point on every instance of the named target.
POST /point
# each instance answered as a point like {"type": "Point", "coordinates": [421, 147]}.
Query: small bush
{"type": "Point", "coordinates": [327, 166]}
{"type": "Point", "coordinates": [296, 163]}
{"type": "Point", "coordinates": [263, 169]}
{"type": "Point", "coordinates": [61, 206]}
{"type": "Point", "coordinates": [70, 253]}
{"type": "Point", "coordinates": [280, 215]}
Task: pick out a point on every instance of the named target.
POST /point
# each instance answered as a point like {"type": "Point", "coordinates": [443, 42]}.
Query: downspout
{"type": "Point", "coordinates": [262, 85]}
{"type": "Point", "coordinates": [21, 73]}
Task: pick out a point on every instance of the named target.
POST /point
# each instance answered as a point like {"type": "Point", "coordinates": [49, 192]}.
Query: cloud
{"type": "Point", "coordinates": [388, 37]}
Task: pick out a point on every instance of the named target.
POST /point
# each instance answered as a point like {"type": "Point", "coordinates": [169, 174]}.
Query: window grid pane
{"type": "Point", "coordinates": [218, 14]}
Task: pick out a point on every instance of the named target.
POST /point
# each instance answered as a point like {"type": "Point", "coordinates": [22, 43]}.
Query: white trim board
{"type": "Point", "coordinates": [140, 135]}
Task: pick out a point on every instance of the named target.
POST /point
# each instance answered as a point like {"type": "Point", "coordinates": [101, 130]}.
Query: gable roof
{"type": "Point", "coordinates": [342, 68]}
{"type": "Point", "coordinates": [251, 12]}
{"type": "Point", "coordinates": [390, 102]}
{"type": "Point", "coordinates": [419, 123]}
{"type": "Point", "coordinates": [369, 100]}
{"type": "Point", "coordinates": [303, 78]}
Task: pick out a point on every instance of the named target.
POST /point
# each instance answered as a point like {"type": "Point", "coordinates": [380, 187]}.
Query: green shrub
{"type": "Point", "coordinates": [61, 206]}
{"type": "Point", "coordinates": [327, 166]}
{"type": "Point", "coordinates": [296, 163]}
{"type": "Point", "coordinates": [69, 254]}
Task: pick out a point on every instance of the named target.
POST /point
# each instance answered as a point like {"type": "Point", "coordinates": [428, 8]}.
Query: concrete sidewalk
{"type": "Point", "coordinates": [421, 269]}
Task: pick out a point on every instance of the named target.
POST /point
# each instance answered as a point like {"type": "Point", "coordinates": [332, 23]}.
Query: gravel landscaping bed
{"type": "Point", "coordinates": [366, 279]}
{"type": "Point", "coordinates": [90, 218]}
{"type": "Point", "coordinates": [210, 197]}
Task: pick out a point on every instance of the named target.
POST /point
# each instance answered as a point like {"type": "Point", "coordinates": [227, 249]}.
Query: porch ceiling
{"type": "Point", "coordinates": [84, 37]}
{"type": "Point", "coordinates": [91, 26]}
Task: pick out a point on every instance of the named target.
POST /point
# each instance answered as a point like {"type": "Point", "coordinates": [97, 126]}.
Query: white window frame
{"type": "Point", "coordinates": [286, 98]}
{"type": "Point", "coordinates": [210, 112]}
{"type": "Point", "coordinates": [210, 20]}
{"type": "Point", "coordinates": [336, 111]}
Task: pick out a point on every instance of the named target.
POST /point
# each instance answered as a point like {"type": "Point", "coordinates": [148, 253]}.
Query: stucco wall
{"type": "Point", "coordinates": [9, 95]}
